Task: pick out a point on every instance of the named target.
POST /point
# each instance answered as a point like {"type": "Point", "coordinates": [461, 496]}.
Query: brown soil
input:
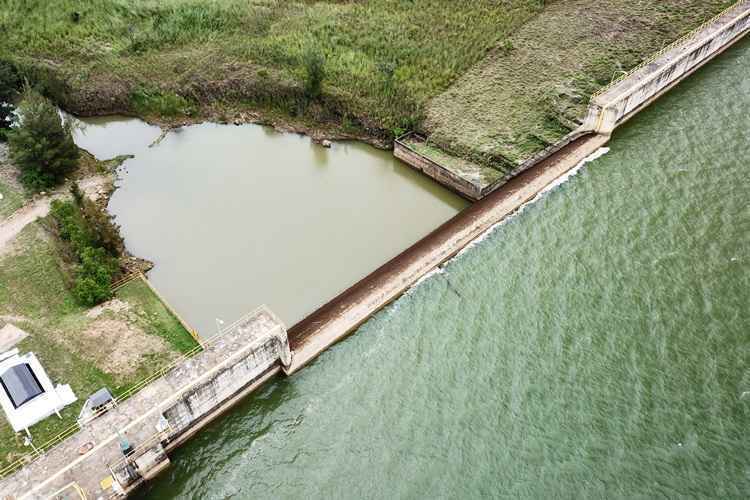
{"type": "Point", "coordinates": [114, 305]}
{"type": "Point", "coordinates": [219, 100]}
{"type": "Point", "coordinates": [118, 347]}
{"type": "Point", "coordinates": [318, 132]}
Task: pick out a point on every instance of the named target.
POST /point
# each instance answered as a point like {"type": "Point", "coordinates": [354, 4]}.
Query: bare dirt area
{"type": "Point", "coordinates": [94, 187]}
{"type": "Point", "coordinates": [114, 305]}
{"type": "Point", "coordinates": [116, 346]}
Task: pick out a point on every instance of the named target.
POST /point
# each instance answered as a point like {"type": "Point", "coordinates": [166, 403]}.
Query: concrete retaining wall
{"type": "Point", "coordinates": [621, 101]}
{"type": "Point", "coordinates": [265, 346]}
{"type": "Point", "coordinates": [460, 185]}
{"type": "Point", "coordinates": [201, 400]}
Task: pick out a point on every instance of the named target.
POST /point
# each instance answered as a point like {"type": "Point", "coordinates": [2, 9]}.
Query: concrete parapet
{"type": "Point", "coordinates": [622, 99]}
{"type": "Point", "coordinates": [468, 179]}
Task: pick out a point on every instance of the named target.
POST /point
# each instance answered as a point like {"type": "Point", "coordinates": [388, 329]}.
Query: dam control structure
{"type": "Point", "coordinates": [115, 452]}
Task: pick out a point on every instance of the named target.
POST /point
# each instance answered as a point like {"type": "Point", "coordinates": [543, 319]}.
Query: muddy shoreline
{"type": "Point", "coordinates": [320, 132]}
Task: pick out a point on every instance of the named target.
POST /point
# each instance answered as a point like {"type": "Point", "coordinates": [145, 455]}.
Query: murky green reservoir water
{"type": "Point", "coordinates": [597, 345]}
{"type": "Point", "coordinates": [237, 216]}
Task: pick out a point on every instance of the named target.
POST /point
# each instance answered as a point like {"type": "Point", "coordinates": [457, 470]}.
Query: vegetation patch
{"type": "Point", "coordinates": [90, 246]}
{"type": "Point", "coordinates": [42, 145]}
{"type": "Point", "coordinates": [375, 63]}
{"type": "Point", "coordinates": [11, 199]}
{"type": "Point", "coordinates": [476, 173]}
{"type": "Point", "coordinates": [12, 196]}
{"type": "Point", "coordinates": [530, 92]}
{"type": "Point", "coordinates": [154, 102]}
{"type": "Point", "coordinates": [492, 81]}
{"type": "Point", "coordinates": [70, 340]}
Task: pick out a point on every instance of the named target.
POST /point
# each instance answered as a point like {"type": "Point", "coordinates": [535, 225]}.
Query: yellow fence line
{"type": "Point", "coordinates": [653, 57]}
{"type": "Point", "coordinates": [129, 392]}
{"type": "Point", "coordinates": [124, 281]}
{"type": "Point", "coordinates": [184, 323]}
{"type": "Point", "coordinates": [138, 274]}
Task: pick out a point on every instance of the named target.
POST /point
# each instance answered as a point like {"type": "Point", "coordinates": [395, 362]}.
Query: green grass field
{"type": "Point", "coordinates": [12, 193]}
{"type": "Point", "coordinates": [12, 199]}
{"type": "Point", "coordinates": [531, 92]}
{"type": "Point", "coordinates": [384, 58]}
{"type": "Point", "coordinates": [115, 348]}
{"type": "Point", "coordinates": [492, 81]}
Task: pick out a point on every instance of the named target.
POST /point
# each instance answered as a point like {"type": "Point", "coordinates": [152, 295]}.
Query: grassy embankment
{"type": "Point", "coordinates": [224, 59]}
{"type": "Point", "coordinates": [88, 349]}
{"type": "Point", "coordinates": [114, 346]}
{"type": "Point", "coordinates": [533, 90]}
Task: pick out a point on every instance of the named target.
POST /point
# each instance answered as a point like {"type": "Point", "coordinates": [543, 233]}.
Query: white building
{"type": "Point", "coordinates": [28, 395]}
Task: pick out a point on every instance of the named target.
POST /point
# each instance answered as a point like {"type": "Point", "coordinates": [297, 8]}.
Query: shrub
{"type": "Point", "coordinates": [94, 242]}
{"type": "Point", "coordinates": [101, 225]}
{"type": "Point", "coordinates": [147, 101]}
{"type": "Point", "coordinates": [314, 66]}
{"type": "Point", "coordinates": [42, 145]}
{"type": "Point", "coordinates": [94, 277]}
{"type": "Point", "coordinates": [71, 226]}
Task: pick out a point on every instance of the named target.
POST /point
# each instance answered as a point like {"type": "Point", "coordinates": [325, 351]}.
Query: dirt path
{"type": "Point", "coordinates": [13, 225]}
{"type": "Point", "coordinates": [345, 313]}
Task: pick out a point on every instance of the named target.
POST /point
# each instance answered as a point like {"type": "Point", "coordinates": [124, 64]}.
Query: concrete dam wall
{"type": "Point", "coordinates": [116, 452]}
{"type": "Point", "coordinates": [622, 99]}
{"type": "Point", "coordinates": [205, 397]}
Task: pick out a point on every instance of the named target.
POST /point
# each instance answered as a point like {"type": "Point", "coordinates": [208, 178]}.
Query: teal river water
{"type": "Point", "coordinates": [596, 345]}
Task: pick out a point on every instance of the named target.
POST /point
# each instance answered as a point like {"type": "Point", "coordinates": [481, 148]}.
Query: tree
{"type": "Point", "coordinates": [42, 145]}
{"type": "Point", "coordinates": [314, 64]}
{"type": "Point", "coordinates": [94, 242]}
{"type": "Point", "coordinates": [71, 226]}
{"type": "Point", "coordinates": [102, 226]}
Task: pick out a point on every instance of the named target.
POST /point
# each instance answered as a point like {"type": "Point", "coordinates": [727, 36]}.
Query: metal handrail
{"type": "Point", "coordinates": [141, 448]}
{"type": "Point", "coordinates": [129, 392]}
{"type": "Point", "coordinates": [124, 281]}
{"type": "Point", "coordinates": [653, 57]}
